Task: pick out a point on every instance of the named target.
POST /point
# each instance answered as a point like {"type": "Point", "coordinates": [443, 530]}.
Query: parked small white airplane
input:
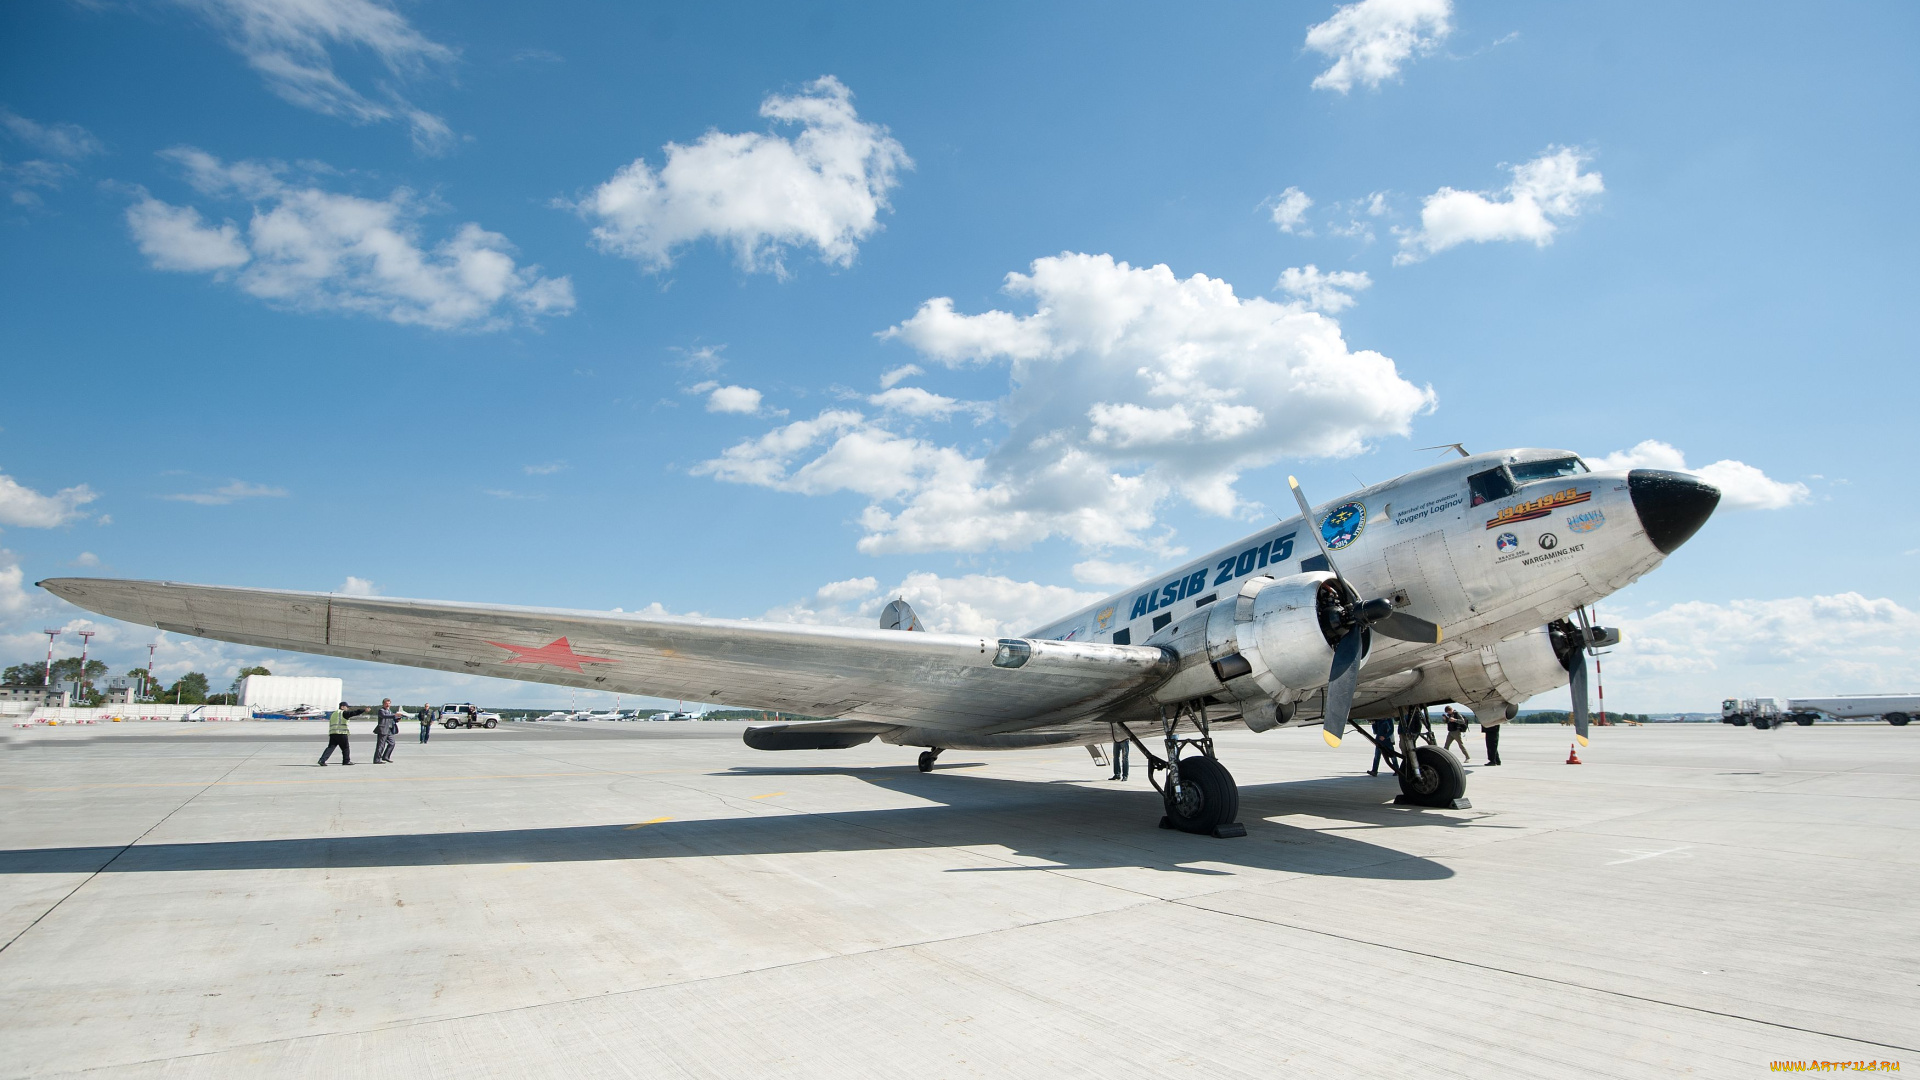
{"type": "Point", "coordinates": [1465, 581]}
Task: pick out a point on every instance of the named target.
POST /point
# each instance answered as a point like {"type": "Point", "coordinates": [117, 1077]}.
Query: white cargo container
{"type": "Point", "coordinates": [289, 691]}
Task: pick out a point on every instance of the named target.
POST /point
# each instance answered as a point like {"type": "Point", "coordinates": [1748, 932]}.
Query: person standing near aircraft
{"type": "Point", "coordinates": [1382, 731]}
{"type": "Point", "coordinates": [385, 729]}
{"type": "Point", "coordinates": [1457, 732]}
{"type": "Point", "coordinates": [426, 722]}
{"type": "Point", "coordinates": [337, 735]}
{"type": "Point", "coordinates": [1492, 732]}
{"type": "Point", "coordinates": [1119, 760]}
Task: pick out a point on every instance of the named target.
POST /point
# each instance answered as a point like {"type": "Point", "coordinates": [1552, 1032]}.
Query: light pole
{"type": "Point", "coordinates": [48, 679]}
{"type": "Point", "coordinates": [148, 690]}
{"type": "Point", "coordinates": [86, 638]}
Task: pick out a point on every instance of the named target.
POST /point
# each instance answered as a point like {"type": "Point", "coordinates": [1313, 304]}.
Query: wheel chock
{"type": "Point", "coordinates": [1228, 831]}
{"type": "Point", "coordinates": [1461, 803]}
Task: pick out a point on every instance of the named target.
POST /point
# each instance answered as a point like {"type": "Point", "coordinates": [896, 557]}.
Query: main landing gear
{"type": "Point", "coordinates": [1428, 775]}
{"type": "Point", "coordinates": [1199, 792]}
{"type": "Point", "coordinates": [927, 758]}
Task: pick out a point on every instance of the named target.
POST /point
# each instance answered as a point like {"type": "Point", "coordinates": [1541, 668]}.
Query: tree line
{"type": "Point", "coordinates": [193, 688]}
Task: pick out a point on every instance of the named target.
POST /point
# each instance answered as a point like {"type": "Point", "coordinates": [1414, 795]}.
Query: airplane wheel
{"type": "Point", "coordinates": [1440, 779]}
{"type": "Point", "coordinates": [926, 760]}
{"type": "Point", "coordinates": [1897, 719]}
{"type": "Point", "coordinates": [1208, 797]}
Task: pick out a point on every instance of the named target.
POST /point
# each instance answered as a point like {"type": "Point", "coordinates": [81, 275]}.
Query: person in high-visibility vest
{"type": "Point", "coordinates": [337, 734]}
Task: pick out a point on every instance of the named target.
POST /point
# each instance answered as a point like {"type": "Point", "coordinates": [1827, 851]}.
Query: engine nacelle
{"type": "Point", "coordinates": [1268, 647]}
{"type": "Point", "coordinates": [1530, 664]}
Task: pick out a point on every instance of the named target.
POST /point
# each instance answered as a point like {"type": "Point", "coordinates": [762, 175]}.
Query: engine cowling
{"type": "Point", "coordinates": [1268, 647]}
{"type": "Point", "coordinates": [1533, 663]}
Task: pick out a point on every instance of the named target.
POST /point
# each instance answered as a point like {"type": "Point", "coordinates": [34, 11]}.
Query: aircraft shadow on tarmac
{"type": "Point", "coordinates": [1076, 829]}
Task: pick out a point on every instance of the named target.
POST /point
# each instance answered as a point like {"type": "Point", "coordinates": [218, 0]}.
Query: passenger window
{"type": "Point", "coordinates": [1490, 485]}
{"type": "Point", "coordinates": [1526, 472]}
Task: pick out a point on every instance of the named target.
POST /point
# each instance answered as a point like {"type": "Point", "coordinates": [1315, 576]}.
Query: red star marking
{"type": "Point", "coordinates": [558, 653]}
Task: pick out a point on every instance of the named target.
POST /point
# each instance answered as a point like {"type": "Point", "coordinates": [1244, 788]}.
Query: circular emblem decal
{"type": "Point", "coordinates": [1343, 525]}
{"type": "Point", "coordinates": [1548, 541]}
{"type": "Point", "coordinates": [1507, 542]}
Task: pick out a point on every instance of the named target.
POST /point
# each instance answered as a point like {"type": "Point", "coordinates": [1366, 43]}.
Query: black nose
{"type": "Point", "coordinates": [1672, 506]}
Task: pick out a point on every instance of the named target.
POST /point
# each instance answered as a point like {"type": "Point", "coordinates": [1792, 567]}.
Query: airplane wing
{"type": "Point", "coordinates": [941, 681]}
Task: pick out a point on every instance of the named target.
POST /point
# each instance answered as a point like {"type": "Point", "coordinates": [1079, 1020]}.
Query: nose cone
{"type": "Point", "coordinates": [1672, 506]}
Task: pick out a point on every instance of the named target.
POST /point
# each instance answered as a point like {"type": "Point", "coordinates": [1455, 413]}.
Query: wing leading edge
{"type": "Point", "coordinates": [942, 681]}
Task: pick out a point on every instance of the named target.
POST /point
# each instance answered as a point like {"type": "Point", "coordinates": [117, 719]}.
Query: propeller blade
{"type": "Point", "coordinates": [1407, 627]}
{"type": "Point", "coordinates": [1344, 680]}
{"type": "Point", "coordinates": [1578, 685]}
{"type": "Point", "coordinates": [1312, 525]}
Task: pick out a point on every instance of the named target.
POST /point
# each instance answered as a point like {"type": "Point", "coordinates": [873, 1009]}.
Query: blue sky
{"type": "Point", "coordinates": [608, 307]}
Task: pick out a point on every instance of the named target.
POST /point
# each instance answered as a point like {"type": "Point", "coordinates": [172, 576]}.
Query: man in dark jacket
{"type": "Point", "coordinates": [426, 722]}
{"type": "Point", "coordinates": [1382, 737]}
{"type": "Point", "coordinates": [384, 731]}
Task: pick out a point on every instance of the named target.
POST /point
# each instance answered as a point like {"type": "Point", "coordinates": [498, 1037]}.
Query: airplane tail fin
{"type": "Point", "coordinates": [899, 616]}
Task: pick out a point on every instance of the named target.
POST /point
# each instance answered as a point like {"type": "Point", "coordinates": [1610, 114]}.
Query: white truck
{"type": "Point", "coordinates": [1895, 709]}
{"type": "Point", "coordinates": [1767, 712]}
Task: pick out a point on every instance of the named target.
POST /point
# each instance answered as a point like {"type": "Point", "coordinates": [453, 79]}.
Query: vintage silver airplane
{"type": "Point", "coordinates": [1465, 581]}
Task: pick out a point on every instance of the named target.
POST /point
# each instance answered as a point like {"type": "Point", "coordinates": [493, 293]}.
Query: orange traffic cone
{"type": "Point", "coordinates": [1573, 754]}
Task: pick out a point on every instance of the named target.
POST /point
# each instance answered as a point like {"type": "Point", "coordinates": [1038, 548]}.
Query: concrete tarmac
{"type": "Point", "coordinates": [641, 900]}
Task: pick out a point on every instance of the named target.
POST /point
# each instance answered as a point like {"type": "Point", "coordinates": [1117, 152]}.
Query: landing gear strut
{"type": "Point", "coordinates": [927, 758]}
{"type": "Point", "coordinates": [1199, 792]}
{"type": "Point", "coordinates": [1428, 775]}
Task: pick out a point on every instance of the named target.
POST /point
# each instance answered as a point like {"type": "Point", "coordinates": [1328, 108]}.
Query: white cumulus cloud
{"type": "Point", "coordinates": [13, 593]}
{"type": "Point", "coordinates": [733, 399]}
{"type": "Point", "coordinates": [1328, 291]}
{"type": "Point", "coordinates": [1691, 655]}
{"type": "Point", "coordinates": [985, 604]}
{"type": "Point", "coordinates": [1127, 386]}
{"type": "Point", "coordinates": [760, 194]}
{"type": "Point", "coordinates": [22, 506]}
{"type": "Point", "coordinates": [309, 249]}
{"type": "Point", "coordinates": [1289, 210]}
{"type": "Point", "coordinates": [357, 586]}
{"type": "Point", "coordinates": [1545, 192]}
{"type": "Point", "coordinates": [290, 44]}
{"type": "Point", "coordinates": [1742, 487]}
{"type": "Point", "coordinates": [1370, 41]}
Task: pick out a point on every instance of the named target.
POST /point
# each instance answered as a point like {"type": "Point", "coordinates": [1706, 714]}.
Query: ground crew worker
{"type": "Point", "coordinates": [1120, 752]}
{"type": "Point", "coordinates": [1457, 732]}
{"type": "Point", "coordinates": [337, 735]}
{"type": "Point", "coordinates": [426, 722]}
{"type": "Point", "coordinates": [1492, 732]}
{"type": "Point", "coordinates": [385, 729]}
{"type": "Point", "coordinates": [1382, 731]}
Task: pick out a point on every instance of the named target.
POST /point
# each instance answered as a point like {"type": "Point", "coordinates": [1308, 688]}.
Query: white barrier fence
{"type": "Point", "coordinates": [117, 714]}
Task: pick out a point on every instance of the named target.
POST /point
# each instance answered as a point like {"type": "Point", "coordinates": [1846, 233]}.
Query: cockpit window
{"type": "Point", "coordinates": [1526, 472]}
{"type": "Point", "coordinates": [1490, 485]}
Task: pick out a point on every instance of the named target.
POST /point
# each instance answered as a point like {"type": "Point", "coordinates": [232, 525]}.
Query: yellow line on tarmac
{"type": "Point", "coordinates": [644, 824]}
{"type": "Point", "coordinates": [768, 795]}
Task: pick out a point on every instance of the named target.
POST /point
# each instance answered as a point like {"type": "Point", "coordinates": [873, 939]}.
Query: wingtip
{"type": "Point", "coordinates": [1332, 739]}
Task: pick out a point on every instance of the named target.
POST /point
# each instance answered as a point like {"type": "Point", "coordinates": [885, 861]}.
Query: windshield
{"type": "Point", "coordinates": [1526, 472]}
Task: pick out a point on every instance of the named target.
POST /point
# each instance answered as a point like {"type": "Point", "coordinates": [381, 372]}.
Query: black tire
{"type": "Point", "coordinates": [1762, 723]}
{"type": "Point", "coordinates": [1210, 797]}
{"type": "Point", "coordinates": [1439, 779]}
{"type": "Point", "coordinates": [1738, 721]}
{"type": "Point", "coordinates": [1804, 721]}
{"type": "Point", "coordinates": [926, 761]}
{"type": "Point", "coordinates": [449, 724]}
{"type": "Point", "coordinates": [1897, 719]}
{"type": "Point", "coordinates": [491, 724]}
